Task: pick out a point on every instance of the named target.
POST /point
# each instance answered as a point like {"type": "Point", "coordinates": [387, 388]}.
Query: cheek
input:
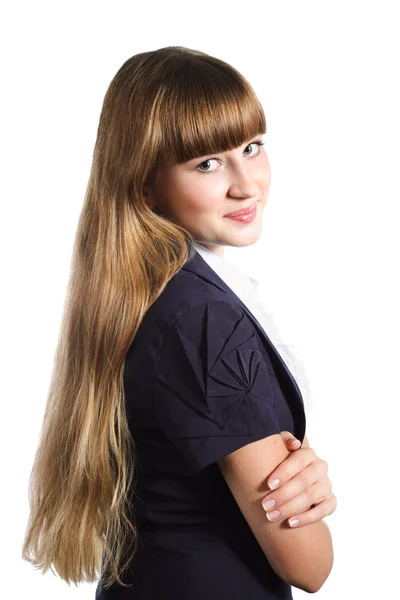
{"type": "Point", "coordinates": [200, 197]}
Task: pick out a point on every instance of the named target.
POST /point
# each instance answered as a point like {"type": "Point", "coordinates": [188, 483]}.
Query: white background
{"type": "Point", "coordinates": [327, 75]}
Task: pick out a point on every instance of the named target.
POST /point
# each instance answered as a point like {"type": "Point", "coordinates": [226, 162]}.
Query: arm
{"type": "Point", "coordinates": [302, 557]}
{"type": "Point", "coordinates": [199, 415]}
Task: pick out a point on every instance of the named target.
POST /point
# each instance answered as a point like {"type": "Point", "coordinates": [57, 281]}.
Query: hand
{"type": "Point", "coordinates": [303, 482]}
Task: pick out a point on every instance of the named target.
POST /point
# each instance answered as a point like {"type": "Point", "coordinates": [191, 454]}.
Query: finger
{"type": "Point", "coordinates": [291, 442]}
{"type": "Point", "coordinates": [299, 484]}
{"type": "Point", "coordinates": [301, 502]}
{"type": "Point", "coordinates": [290, 467]}
{"type": "Point", "coordinates": [299, 493]}
{"type": "Point", "coordinates": [322, 509]}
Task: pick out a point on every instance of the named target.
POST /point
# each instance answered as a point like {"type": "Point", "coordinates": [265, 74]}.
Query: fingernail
{"type": "Point", "coordinates": [273, 484]}
{"type": "Point", "coordinates": [293, 522]}
{"type": "Point", "coordinates": [272, 516]}
{"type": "Point", "coordinates": [267, 504]}
{"type": "Point", "coordinates": [293, 442]}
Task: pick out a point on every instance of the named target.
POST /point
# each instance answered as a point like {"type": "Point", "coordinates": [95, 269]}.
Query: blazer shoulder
{"type": "Point", "coordinates": [185, 291]}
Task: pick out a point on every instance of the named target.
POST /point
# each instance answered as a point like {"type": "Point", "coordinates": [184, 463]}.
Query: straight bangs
{"type": "Point", "coordinates": [212, 109]}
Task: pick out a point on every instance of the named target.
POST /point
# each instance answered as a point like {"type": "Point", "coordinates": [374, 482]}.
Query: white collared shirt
{"type": "Point", "coordinates": [245, 287]}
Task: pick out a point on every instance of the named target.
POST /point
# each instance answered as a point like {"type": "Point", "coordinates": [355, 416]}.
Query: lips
{"type": "Point", "coordinates": [244, 211]}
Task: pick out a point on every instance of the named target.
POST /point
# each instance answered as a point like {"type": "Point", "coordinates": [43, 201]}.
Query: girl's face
{"type": "Point", "coordinates": [198, 194]}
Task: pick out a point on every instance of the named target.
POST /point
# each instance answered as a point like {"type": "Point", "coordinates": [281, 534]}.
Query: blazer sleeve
{"type": "Point", "coordinates": [212, 391]}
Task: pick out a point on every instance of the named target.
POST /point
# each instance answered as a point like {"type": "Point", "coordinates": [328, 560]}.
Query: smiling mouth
{"type": "Point", "coordinates": [247, 217]}
{"type": "Point", "coordinates": [244, 211]}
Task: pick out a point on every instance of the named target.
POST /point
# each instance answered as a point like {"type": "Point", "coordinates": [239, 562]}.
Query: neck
{"type": "Point", "coordinates": [216, 249]}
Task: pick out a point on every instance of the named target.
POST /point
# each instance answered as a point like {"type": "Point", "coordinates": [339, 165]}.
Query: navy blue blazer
{"type": "Point", "coordinates": [201, 379]}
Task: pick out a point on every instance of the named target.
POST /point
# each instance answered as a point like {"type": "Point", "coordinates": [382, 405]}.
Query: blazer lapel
{"type": "Point", "coordinates": [202, 269]}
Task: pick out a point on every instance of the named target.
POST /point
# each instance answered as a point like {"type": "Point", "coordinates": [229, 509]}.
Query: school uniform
{"type": "Point", "coordinates": [202, 379]}
{"type": "Point", "coordinates": [246, 287]}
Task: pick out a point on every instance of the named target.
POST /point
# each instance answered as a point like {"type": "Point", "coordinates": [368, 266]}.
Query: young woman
{"type": "Point", "coordinates": [170, 410]}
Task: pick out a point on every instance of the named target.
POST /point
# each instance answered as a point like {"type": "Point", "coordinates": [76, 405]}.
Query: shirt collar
{"type": "Point", "coordinates": [234, 277]}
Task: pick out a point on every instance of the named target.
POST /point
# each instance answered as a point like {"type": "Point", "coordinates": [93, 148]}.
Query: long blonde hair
{"type": "Point", "coordinates": [162, 107]}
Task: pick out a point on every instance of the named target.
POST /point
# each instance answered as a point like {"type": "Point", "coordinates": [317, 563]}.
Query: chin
{"type": "Point", "coordinates": [248, 240]}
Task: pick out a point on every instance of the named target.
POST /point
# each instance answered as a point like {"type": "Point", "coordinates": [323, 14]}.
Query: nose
{"type": "Point", "coordinates": [242, 183]}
